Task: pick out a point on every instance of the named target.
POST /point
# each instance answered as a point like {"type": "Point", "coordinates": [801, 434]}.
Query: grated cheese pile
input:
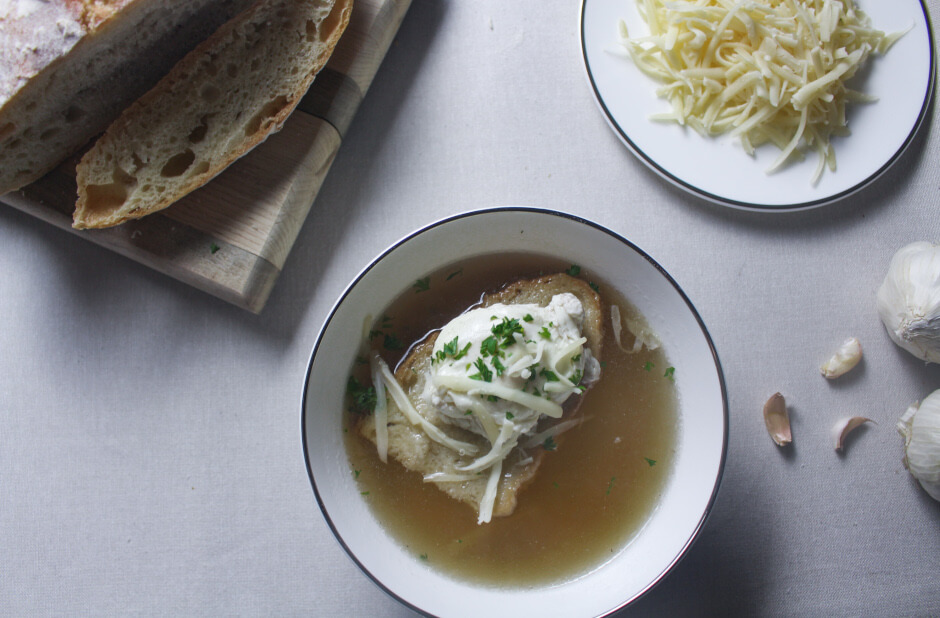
{"type": "Point", "coordinates": [762, 70]}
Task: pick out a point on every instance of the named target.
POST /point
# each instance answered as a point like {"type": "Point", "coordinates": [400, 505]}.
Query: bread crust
{"type": "Point", "coordinates": [130, 147]}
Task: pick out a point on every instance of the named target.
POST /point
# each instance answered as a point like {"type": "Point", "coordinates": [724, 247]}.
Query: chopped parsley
{"type": "Point", "coordinates": [549, 444]}
{"type": "Point", "coordinates": [648, 365]}
{"type": "Point", "coordinates": [576, 376]}
{"type": "Point", "coordinates": [594, 286]}
{"type": "Point", "coordinates": [362, 397]}
{"type": "Point", "coordinates": [489, 346]}
{"type": "Point", "coordinates": [610, 485]}
{"type": "Point", "coordinates": [459, 271]}
{"type": "Point", "coordinates": [483, 372]}
{"type": "Point", "coordinates": [453, 350]}
{"type": "Point", "coordinates": [468, 413]}
{"type": "Point", "coordinates": [670, 373]}
{"type": "Point", "coordinates": [544, 333]}
{"type": "Point", "coordinates": [391, 342]}
{"type": "Point", "coordinates": [356, 473]}
{"type": "Point", "coordinates": [504, 331]}
{"type": "Point", "coordinates": [548, 375]}
{"type": "Point", "coordinates": [363, 493]}
{"type": "Point", "coordinates": [574, 270]}
{"type": "Point", "coordinates": [213, 248]}
{"type": "Point", "coordinates": [651, 462]}
{"type": "Point", "coordinates": [422, 285]}
{"type": "Point", "coordinates": [424, 557]}
{"type": "Point", "coordinates": [575, 358]}
{"type": "Point", "coordinates": [509, 416]}
{"type": "Point", "coordinates": [498, 366]}
{"type": "Point", "coordinates": [527, 317]}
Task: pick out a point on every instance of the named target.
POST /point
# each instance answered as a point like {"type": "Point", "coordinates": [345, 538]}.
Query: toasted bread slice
{"type": "Point", "coordinates": [69, 67]}
{"type": "Point", "coordinates": [410, 446]}
{"type": "Point", "coordinates": [220, 101]}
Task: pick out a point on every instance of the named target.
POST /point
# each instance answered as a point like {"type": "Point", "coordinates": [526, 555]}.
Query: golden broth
{"type": "Point", "coordinates": [590, 495]}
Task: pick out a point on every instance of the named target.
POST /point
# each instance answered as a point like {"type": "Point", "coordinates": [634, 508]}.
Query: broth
{"type": "Point", "coordinates": [590, 495]}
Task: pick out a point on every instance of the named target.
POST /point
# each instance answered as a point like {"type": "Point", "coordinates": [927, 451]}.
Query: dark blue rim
{"type": "Point", "coordinates": [539, 211]}
{"type": "Point", "coordinates": [717, 199]}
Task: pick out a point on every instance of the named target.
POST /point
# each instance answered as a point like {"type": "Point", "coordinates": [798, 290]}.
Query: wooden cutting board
{"type": "Point", "coordinates": [232, 236]}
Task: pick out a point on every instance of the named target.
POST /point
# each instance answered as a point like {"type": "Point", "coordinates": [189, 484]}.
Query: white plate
{"type": "Point", "coordinates": [718, 169]}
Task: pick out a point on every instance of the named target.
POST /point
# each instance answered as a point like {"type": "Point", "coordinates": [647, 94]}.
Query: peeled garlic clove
{"type": "Point", "coordinates": [920, 427]}
{"type": "Point", "coordinates": [777, 420]}
{"type": "Point", "coordinates": [844, 360]}
{"type": "Point", "coordinates": [909, 300]}
{"type": "Point", "coordinates": [845, 426]}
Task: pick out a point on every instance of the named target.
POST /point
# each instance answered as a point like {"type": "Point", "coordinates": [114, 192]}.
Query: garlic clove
{"type": "Point", "coordinates": [909, 300]}
{"type": "Point", "coordinates": [844, 360]}
{"type": "Point", "coordinates": [920, 427]}
{"type": "Point", "coordinates": [777, 420]}
{"type": "Point", "coordinates": [845, 426]}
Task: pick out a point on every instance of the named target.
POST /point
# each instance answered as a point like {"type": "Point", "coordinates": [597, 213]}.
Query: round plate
{"type": "Point", "coordinates": [718, 169]}
{"type": "Point", "coordinates": [699, 453]}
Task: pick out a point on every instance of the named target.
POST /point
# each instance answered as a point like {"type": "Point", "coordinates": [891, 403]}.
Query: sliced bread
{"type": "Point", "coordinates": [411, 446]}
{"type": "Point", "coordinates": [69, 67]}
{"type": "Point", "coordinates": [220, 101]}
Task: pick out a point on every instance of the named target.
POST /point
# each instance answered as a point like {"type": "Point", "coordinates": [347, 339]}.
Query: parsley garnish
{"type": "Point", "coordinates": [648, 365]}
{"type": "Point", "coordinates": [424, 557]}
{"type": "Point", "coordinates": [548, 375]}
{"type": "Point", "coordinates": [505, 329]}
{"type": "Point", "coordinates": [544, 333]}
{"type": "Point", "coordinates": [527, 317]}
{"type": "Point", "coordinates": [363, 493]}
{"type": "Point", "coordinates": [610, 485]}
{"type": "Point", "coordinates": [468, 413]}
{"type": "Point", "coordinates": [483, 372]}
{"type": "Point", "coordinates": [498, 366]}
{"type": "Point", "coordinates": [454, 274]}
{"type": "Point", "coordinates": [670, 373]}
{"type": "Point", "coordinates": [575, 358]}
{"type": "Point", "coordinates": [576, 376]}
{"type": "Point", "coordinates": [391, 342]}
{"type": "Point", "coordinates": [356, 473]}
{"type": "Point", "coordinates": [651, 462]}
{"type": "Point", "coordinates": [574, 270]}
{"type": "Point", "coordinates": [213, 248]}
{"type": "Point", "coordinates": [549, 444]}
{"type": "Point", "coordinates": [422, 285]}
{"type": "Point", "coordinates": [362, 397]}
{"type": "Point", "coordinates": [489, 346]}
{"type": "Point", "coordinates": [509, 416]}
{"type": "Point", "coordinates": [453, 350]}
{"type": "Point", "coordinates": [594, 286]}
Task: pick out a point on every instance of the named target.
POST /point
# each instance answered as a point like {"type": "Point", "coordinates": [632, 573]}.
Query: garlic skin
{"type": "Point", "coordinates": [920, 427]}
{"type": "Point", "coordinates": [909, 300]}
{"type": "Point", "coordinates": [844, 360]}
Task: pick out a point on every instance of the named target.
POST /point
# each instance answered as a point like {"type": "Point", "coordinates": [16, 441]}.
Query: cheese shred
{"type": "Point", "coordinates": [764, 71]}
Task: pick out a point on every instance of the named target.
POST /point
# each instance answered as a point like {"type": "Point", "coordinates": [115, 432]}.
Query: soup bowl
{"type": "Point", "coordinates": [701, 437]}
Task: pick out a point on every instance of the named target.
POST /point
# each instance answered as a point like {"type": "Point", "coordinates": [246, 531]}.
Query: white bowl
{"type": "Point", "coordinates": [701, 440]}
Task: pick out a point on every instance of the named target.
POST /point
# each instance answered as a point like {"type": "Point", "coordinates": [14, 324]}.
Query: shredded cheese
{"type": "Point", "coordinates": [764, 71]}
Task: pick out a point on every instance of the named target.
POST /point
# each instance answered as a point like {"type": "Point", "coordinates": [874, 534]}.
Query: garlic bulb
{"type": "Point", "coordinates": [920, 426]}
{"type": "Point", "coordinates": [909, 300]}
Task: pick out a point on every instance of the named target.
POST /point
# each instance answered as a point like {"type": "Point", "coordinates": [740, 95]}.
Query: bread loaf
{"type": "Point", "coordinates": [411, 446]}
{"type": "Point", "coordinates": [69, 67]}
{"type": "Point", "coordinates": [216, 104]}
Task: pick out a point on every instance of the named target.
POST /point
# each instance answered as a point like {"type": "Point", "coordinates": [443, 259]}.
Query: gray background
{"type": "Point", "coordinates": [150, 453]}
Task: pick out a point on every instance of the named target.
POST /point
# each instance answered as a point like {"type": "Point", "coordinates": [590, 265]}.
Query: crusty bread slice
{"type": "Point", "coordinates": [220, 101]}
{"type": "Point", "coordinates": [411, 447]}
{"type": "Point", "coordinates": [69, 67]}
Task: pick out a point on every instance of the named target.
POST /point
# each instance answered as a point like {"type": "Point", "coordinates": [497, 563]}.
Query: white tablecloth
{"type": "Point", "coordinates": [150, 451]}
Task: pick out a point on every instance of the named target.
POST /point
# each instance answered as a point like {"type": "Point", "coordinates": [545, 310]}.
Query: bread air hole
{"type": "Point", "coordinates": [73, 114]}
{"type": "Point", "coordinates": [6, 130]}
{"type": "Point", "coordinates": [178, 164]}
{"type": "Point", "coordinates": [110, 196]}
{"type": "Point", "coordinates": [48, 134]}
{"type": "Point", "coordinates": [270, 109]}
{"type": "Point", "coordinates": [210, 93]}
{"type": "Point", "coordinates": [199, 133]}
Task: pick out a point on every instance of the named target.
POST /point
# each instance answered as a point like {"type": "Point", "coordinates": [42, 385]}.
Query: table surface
{"type": "Point", "coordinates": [150, 451]}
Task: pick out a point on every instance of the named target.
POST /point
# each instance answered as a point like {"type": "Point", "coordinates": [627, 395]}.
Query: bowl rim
{"type": "Point", "coordinates": [542, 212]}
